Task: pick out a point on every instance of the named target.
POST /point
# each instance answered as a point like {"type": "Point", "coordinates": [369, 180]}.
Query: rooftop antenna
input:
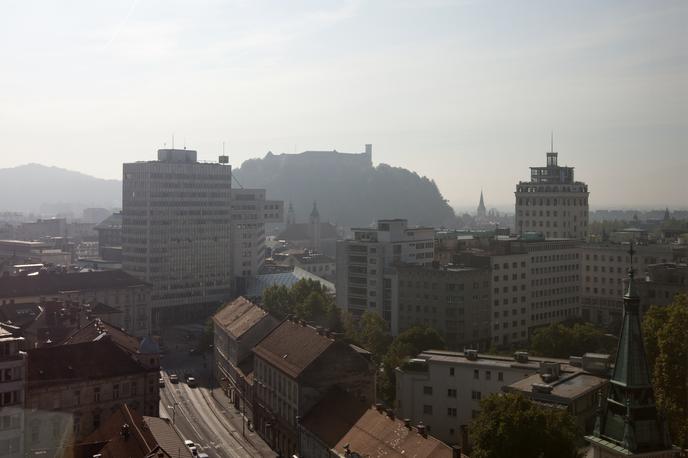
{"type": "Point", "coordinates": [552, 142]}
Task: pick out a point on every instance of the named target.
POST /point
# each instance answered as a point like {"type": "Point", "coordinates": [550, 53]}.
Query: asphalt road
{"type": "Point", "coordinates": [198, 415]}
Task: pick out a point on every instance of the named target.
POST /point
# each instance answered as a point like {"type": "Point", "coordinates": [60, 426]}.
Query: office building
{"type": "Point", "coordinates": [552, 202]}
{"type": "Point", "coordinates": [176, 224]}
{"type": "Point", "coordinates": [250, 213]}
{"type": "Point", "coordinates": [364, 263]}
{"type": "Point", "coordinates": [12, 392]}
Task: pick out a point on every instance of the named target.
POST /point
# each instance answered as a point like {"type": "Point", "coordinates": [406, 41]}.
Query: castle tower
{"type": "Point", "coordinates": [291, 217]}
{"type": "Point", "coordinates": [482, 213]}
{"type": "Point", "coordinates": [314, 221]}
{"type": "Point", "coordinates": [628, 423]}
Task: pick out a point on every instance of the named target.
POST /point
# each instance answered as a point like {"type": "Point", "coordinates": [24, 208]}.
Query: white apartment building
{"type": "Point", "coordinates": [552, 202]}
{"type": "Point", "coordinates": [604, 268]}
{"type": "Point", "coordinates": [365, 262]}
{"type": "Point", "coordinates": [443, 389]}
{"type": "Point", "coordinates": [176, 220]}
{"type": "Point", "coordinates": [12, 394]}
{"type": "Point", "coordinates": [250, 212]}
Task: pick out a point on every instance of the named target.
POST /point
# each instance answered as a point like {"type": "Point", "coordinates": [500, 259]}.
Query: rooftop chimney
{"type": "Point", "coordinates": [390, 413]}
{"type": "Point", "coordinates": [456, 451]}
{"type": "Point", "coordinates": [407, 423]}
{"type": "Point", "coordinates": [421, 430]}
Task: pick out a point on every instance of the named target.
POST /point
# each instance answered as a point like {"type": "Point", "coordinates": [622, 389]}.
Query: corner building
{"type": "Point", "coordinates": [176, 218]}
{"type": "Point", "coordinates": [552, 202]}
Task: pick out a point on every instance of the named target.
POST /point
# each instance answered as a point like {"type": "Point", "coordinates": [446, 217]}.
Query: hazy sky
{"type": "Point", "coordinates": [465, 92]}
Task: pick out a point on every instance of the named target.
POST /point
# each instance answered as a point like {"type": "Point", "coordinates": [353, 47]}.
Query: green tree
{"type": "Point", "coordinates": [307, 299]}
{"type": "Point", "coordinates": [277, 301]}
{"type": "Point", "coordinates": [666, 345]}
{"type": "Point", "coordinates": [511, 425]}
{"type": "Point", "coordinates": [560, 341]}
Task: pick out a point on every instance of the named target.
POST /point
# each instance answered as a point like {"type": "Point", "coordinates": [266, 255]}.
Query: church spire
{"type": "Point", "coordinates": [629, 424]}
{"type": "Point", "coordinates": [481, 206]}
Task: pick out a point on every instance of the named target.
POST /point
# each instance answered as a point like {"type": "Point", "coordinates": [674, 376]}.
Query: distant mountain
{"type": "Point", "coordinates": [38, 188]}
{"type": "Point", "coordinates": [347, 188]}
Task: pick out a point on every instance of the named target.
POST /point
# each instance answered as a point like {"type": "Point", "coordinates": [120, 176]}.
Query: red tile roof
{"type": "Point", "coordinates": [81, 361]}
{"type": "Point", "coordinates": [340, 419]}
{"type": "Point", "coordinates": [292, 347]}
{"type": "Point", "coordinates": [99, 329]}
{"type": "Point", "coordinates": [238, 316]}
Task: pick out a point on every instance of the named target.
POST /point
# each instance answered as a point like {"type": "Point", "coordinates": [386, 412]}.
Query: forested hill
{"type": "Point", "coordinates": [348, 189]}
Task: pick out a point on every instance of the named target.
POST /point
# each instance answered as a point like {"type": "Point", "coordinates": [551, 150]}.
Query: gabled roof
{"type": "Point", "coordinates": [99, 329]}
{"type": "Point", "coordinates": [144, 437]}
{"type": "Point", "coordinates": [292, 347]}
{"type": "Point", "coordinates": [238, 316]}
{"type": "Point", "coordinates": [62, 364]}
{"type": "Point", "coordinates": [340, 419]}
{"type": "Point", "coordinates": [46, 284]}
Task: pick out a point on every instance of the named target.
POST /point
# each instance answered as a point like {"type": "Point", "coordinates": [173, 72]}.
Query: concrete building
{"type": "Point", "coordinates": [574, 389]}
{"type": "Point", "coordinates": [110, 238]}
{"type": "Point", "coordinates": [364, 263]}
{"type": "Point", "coordinates": [12, 393]}
{"type": "Point", "coordinates": [176, 224]}
{"type": "Point", "coordinates": [453, 300]}
{"type": "Point", "coordinates": [296, 366]}
{"type": "Point", "coordinates": [51, 227]}
{"type": "Point", "coordinates": [552, 202]}
{"type": "Point", "coordinates": [73, 388]}
{"type": "Point", "coordinates": [238, 327]}
{"type": "Point", "coordinates": [604, 267]}
{"type": "Point", "coordinates": [313, 262]}
{"type": "Point", "coordinates": [662, 283]}
{"type": "Point", "coordinates": [250, 213]}
{"type": "Point", "coordinates": [100, 290]}
{"type": "Point", "coordinates": [534, 282]}
{"type": "Point", "coordinates": [343, 426]}
{"type": "Point", "coordinates": [443, 389]}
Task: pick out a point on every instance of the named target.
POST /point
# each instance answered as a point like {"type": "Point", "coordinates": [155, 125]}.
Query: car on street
{"type": "Point", "coordinates": [191, 381]}
{"type": "Point", "coordinates": [174, 378]}
{"type": "Point", "coordinates": [191, 446]}
{"type": "Point", "coordinates": [161, 382]}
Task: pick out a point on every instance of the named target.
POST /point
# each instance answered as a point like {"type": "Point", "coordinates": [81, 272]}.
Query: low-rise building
{"type": "Point", "coordinates": [113, 288]}
{"type": "Point", "coordinates": [313, 262]}
{"type": "Point", "coordinates": [238, 327]}
{"type": "Point", "coordinates": [341, 425]}
{"type": "Point", "coordinates": [72, 389]}
{"type": "Point", "coordinates": [12, 393]}
{"type": "Point", "coordinates": [295, 366]}
{"type": "Point", "coordinates": [575, 389]}
{"type": "Point", "coordinates": [443, 389]}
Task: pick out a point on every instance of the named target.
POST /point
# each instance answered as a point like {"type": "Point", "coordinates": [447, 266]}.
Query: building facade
{"type": "Point", "coordinates": [250, 213]}
{"type": "Point", "coordinates": [176, 224]}
{"type": "Point", "coordinates": [364, 263]}
{"type": "Point", "coordinates": [12, 393]}
{"type": "Point", "coordinates": [552, 202]}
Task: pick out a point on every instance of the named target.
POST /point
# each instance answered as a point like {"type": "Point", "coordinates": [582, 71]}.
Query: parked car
{"type": "Point", "coordinates": [191, 446]}
{"type": "Point", "coordinates": [191, 381]}
{"type": "Point", "coordinates": [161, 382]}
{"type": "Point", "coordinates": [174, 378]}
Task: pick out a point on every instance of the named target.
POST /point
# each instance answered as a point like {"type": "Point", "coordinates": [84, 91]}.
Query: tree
{"type": "Point", "coordinates": [307, 299]}
{"type": "Point", "coordinates": [560, 341]}
{"type": "Point", "coordinates": [277, 301]}
{"type": "Point", "coordinates": [511, 425]}
{"type": "Point", "coordinates": [373, 335]}
{"type": "Point", "coordinates": [667, 352]}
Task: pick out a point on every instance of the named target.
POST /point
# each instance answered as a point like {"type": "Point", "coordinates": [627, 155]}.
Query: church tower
{"type": "Point", "coordinates": [291, 217]}
{"type": "Point", "coordinates": [314, 221]}
{"type": "Point", "coordinates": [628, 423]}
{"type": "Point", "coordinates": [482, 213]}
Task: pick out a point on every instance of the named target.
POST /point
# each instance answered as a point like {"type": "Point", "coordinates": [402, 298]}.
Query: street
{"type": "Point", "coordinates": [203, 414]}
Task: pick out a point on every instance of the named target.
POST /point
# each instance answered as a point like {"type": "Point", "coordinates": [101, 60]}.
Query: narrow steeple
{"type": "Point", "coordinates": [481, 206]}
{"type": "Point", "coordinates": [291, 216]}
{"type": "Point", "coordinates": [628, 423]}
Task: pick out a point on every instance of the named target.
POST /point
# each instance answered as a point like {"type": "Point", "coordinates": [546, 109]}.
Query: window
{"type": "Point", "coordinates": [451, 393]}
{"type": "Point", "coordinates": [96, 396]}
{"type": "Point", "coordinates": [476, 374]}
{"type": "Point", "coordinates": [451, 371]}
{"type": "Point", "coordinates": [476, 395]}
{"type": "Point", "coordinates": [427, 409]}
{"type": "Point", "coordinates": [500, 376]}
{"type": "Point", "coordinates": [427, 390]}
{"type": "Point", "coordinates": [115, 391]}
{"type": "Point", "coordinates": [488, 375]}
{"type": "Point", "coordinates": [451, 411]}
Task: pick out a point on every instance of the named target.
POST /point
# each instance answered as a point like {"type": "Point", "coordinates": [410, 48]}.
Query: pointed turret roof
{"type": "Point", "coordinates": [314, 212]}
{"type": "Point", "coordinates": [629, 423]}
{"type": "Point", "coordinates": [481, 205]}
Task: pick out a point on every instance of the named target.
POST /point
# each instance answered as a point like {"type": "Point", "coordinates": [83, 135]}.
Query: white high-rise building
{"type": "Point", "coordinates": [176, 220]}
{"type": "Point", "coordinates": [552, 202]}
{"type": "Point", "coordinates": [364, 278]}
{"type": "Point", "coordinates": [250, 212]}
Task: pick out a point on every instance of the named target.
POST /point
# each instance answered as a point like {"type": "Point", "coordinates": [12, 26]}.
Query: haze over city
{"type": "Point", "coordinates": [463, 92]}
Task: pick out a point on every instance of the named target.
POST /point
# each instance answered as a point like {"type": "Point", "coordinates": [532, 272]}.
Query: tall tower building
{"type": "Point", "coordinates": [291, 216]}
{"type": "Point", "coordinates": [176, 220]}
{"type": "Point", "coordinates": [314, 221]}
{"type": "Point", "coordinates": [552, 202]}
{"type": "Point", "coordinates": [628, 423]}
{"type": "Point", "coordinates": [482, 212]}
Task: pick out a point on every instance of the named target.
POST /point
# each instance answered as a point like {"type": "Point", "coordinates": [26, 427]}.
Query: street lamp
{"type": "Point", "coordinates": [174, 410]}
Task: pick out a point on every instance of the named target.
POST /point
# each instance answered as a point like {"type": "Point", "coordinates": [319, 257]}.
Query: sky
{"type": "Point", "coordinates": [464, 92]}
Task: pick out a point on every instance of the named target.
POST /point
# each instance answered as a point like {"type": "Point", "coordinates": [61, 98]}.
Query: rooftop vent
{"type": "Point", "coordinates": [379, 407]}
{"type": "Point", "coordinates": [422, 429]}
{"type": "Point", "coordinates": [550, 367]}
{"type": "Point", "coordinates": [542, 388]}
{"type": "Point", "coordinates": [521, 356]}
{"type": "Point", "coordinates": [471, 354]}
{"type": "Point", "coordinates": [390, 413]}
{"type": "Point", "coordinates": [407, 423]}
